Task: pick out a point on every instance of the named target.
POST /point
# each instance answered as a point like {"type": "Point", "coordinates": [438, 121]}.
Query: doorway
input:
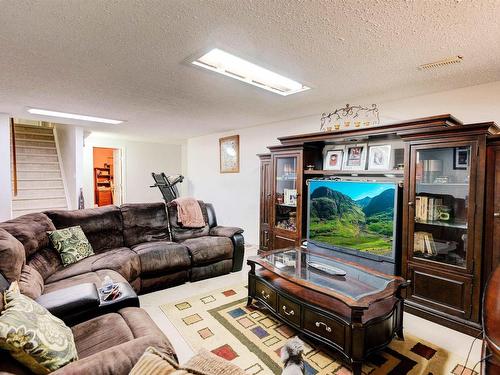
{"type": "Point", "coordinates": [107, 176]}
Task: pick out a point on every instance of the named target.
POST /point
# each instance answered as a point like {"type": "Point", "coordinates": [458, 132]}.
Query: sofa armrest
{"type": "Point", "coordinates": [117, 360]}
{"type": "Point", "coordinates": [220, 231]}
{"type": "Point", "coordinates": [238, 251]}
{"type": "Point", "coordinates": [73, 304]}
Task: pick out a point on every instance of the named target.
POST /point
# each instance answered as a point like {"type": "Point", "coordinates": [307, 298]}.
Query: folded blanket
{"type": "Point", "coordinates": [189, 212]}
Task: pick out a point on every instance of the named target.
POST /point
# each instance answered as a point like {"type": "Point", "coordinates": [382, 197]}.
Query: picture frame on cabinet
{"type": "Point", "coordinates": [379, 158]}
{"type": "Point", "coordinates": [355, 158]}
{"type": "Point", "coordinates": [332, 160]}
{"type": "Point", "coordinates": [461, 157]}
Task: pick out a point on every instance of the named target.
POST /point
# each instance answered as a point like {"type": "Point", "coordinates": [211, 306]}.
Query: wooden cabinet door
{"type": "Point", "coordinates": [492, 227]}
{"type": "Point", "coordinates": [286, 196]}
{"type": "Point", "coordinates": [265, 202]}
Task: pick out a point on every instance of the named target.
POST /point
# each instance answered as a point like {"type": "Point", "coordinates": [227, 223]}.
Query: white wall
{"type": "Point", "coordinates": [139, 159]}
{"type": "Point", "coordinates": [236, 195]}
{"type": "Point", "coordinates": [5, 177]}
{"type": "Point", "coordinates": [70, 142]}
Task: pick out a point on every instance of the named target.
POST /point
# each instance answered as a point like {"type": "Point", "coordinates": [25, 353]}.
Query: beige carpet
{"type": "Point", "coordinates": [251, 338]}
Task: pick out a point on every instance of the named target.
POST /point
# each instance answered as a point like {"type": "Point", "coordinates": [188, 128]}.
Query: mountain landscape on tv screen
{"type": "Point", "coordinates": [365, 224]}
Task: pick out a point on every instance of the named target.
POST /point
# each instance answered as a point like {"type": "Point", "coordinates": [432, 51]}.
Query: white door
{"type": "Point", "coordinates": [117, 177]}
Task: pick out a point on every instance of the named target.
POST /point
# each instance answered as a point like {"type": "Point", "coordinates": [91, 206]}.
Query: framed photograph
{"type": "Point", "coordinates": [461, 157]}
{"type": "Point", "coordinates": [290, 197]}
{"type": "Point", "coordinates": [333, 160]}
{"type": "Point", "coordinates": [229, 152]}
{"type": "Point", "coordinates": [355, 158]}
{"type": "Point", "coordinates": [379, 157]}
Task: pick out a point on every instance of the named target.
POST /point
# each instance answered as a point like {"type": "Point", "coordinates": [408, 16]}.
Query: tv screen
{"type": "Point", "coordinates": [353, 216]}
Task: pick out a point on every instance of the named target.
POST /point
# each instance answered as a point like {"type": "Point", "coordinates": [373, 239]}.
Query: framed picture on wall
{"type": "Point", "coordinates": [355, 158]}
{"type": "Point", "coordinates": [379, 157]}
{"type": "Point", "coordinates": [229, 152]}
{"type": "Point", "coordinates": [333, 160]}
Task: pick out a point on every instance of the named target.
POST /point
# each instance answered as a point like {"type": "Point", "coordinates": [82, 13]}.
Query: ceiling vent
{"type": "Point", "coordinates": [441, 63]}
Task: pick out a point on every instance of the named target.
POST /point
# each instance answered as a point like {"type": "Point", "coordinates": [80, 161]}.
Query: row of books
{"type": "Point", "coordinates": [426, 208]}
{"type": "Point", "coordinates": [424, 243]}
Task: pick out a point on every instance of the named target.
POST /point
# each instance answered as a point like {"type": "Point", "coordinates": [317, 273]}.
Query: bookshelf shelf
{"type": "Point", "coordinates": [324, 172]}
{"type": "Point", "coordinates": [439, 223]}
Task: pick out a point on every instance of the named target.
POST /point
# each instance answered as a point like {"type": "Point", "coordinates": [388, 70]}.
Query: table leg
{"type": "Point", "coordinates": [356, 367]}
{"type": "Point", "coordinates": [249, 301]}
{"type": "Point", "coordinates": [400, 333]}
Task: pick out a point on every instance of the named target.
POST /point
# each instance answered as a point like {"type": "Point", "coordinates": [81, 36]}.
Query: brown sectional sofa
{"type": "Point", "coordinates": [133, 244]}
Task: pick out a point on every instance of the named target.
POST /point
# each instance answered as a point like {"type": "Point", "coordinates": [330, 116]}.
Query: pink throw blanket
{"type": "Point", "coordinates": [189, 212]}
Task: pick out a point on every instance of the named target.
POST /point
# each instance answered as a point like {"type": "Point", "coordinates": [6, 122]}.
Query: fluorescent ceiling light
{"type": "Point", "coordinates": [45, 112]}
{"type": "Point", "coordinates": [235, 67]}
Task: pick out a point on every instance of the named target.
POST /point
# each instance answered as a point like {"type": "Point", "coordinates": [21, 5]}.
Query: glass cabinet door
{"type": "Point", "coordinates": [441, 204]}
{"type": "Point", "coordinates": [285, 193]}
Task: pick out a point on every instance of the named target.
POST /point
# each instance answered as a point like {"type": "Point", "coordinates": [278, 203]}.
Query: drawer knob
{"type": "Point", "coordinates": [266, 296]}
{"type": "Point", "coordinates": [496, 214]}
{"type": "Point", "coordinates": [327, 328]}
{"type": "Point", "coordinates": [288, 313]}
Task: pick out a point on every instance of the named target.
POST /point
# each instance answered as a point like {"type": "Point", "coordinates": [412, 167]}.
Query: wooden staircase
{"type": "Point", "coordinates": [39, 182]}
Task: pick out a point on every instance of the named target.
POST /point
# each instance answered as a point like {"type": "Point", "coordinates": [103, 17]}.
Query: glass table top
{"type": "Point", "coordinates": [355, 284]}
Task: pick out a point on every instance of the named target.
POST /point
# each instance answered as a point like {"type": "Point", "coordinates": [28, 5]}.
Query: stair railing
{"type": "Point", "coordinates": [14, 158]}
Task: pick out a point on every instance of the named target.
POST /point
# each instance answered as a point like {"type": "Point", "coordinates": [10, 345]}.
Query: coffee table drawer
{"type": "Point", "coordinates": [327, 328]}
{"type": "Point", "coordinates": [289, 310]}
{"type": "Point", "coordinates": [265, 294]}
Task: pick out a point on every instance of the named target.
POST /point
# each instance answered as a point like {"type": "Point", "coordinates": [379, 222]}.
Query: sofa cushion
{"type": "Point", "coordinates": [209, 249]}
{"type": "Point", "coordinates": [46, 261]}
{"type": "Point", "coordinates": [103, 332]}
{"type": "Point", "coordinates": [30, 230]}
{"type": "Point", "coordinates": [144, 222]}
{"type": "Point", "coordinates": [122, 260]}
{"type": "Point", "coordinates": [95, 277]}
{"type": "Point", "coordinates": [71, 244]}
{"type": "Point", "coordinates": [162, 256]}
{"type": "Point", "coordinates": [178, 232]}
{"type": "Point", "coordinates": [12, 256]}
{"type": "Point", "coordinates": [102, 226]}
{"type": "Point", "coordinates": [33, 336]}
{"type": "Point", "coordinates": [31, 282]}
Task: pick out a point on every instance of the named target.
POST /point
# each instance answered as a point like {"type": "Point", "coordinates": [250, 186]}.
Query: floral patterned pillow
{"type": "Point", "coordinates": [33, 336]}
{"type": "Point", "coordinates": [71, 244]}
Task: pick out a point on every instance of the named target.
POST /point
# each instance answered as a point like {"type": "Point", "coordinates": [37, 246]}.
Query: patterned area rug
{"type": "Point", "coordinates": [252, 339]}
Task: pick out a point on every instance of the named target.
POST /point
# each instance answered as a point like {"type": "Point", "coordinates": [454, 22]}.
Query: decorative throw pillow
{"type": "Point", "coordinates": [71, 244]}
{"type": "Point", "coordinates": [33, 336]}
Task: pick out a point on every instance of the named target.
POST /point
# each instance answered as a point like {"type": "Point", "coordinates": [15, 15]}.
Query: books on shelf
{"type": "Point", "coordinates": [427, 208]}
{"type": "Point", "coordinates": [424, 243]}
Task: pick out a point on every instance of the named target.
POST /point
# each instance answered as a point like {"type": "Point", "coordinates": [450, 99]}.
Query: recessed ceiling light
{"type": "Point", "coordinates": [45, 112]}
{"type": "Point", "coordinates": [235, 67]}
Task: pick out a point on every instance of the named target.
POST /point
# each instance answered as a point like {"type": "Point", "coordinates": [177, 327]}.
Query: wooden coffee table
{"type": "Point", "coordinates": [356, 314]}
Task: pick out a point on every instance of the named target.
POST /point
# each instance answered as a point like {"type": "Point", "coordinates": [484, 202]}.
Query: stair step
{"type": "Point", "coordinates": [17, 213]}
{"type": "Point", "coordinates": [33, 129]}
{"type": "Point", "coordinates": [40, 193]}
{"type": "Point", "coordinates": [35, 143]}
{"type": "Point", "coordinates": [55, 183]}
{"type": "Point", "coordinates": [28, 204]}
{"type": "Point", "coordinates": [38, 175]}
{"type": "Point", "coordinates": [31, 135]}
{"type": "Point", "coordinates": [34, 167]}
{"type": "Point", "coordinates": [36, 158]}
{"type": "Point", "coordinates": [28, 150]}
{"type": "Point", "coordinates": [39, 137]}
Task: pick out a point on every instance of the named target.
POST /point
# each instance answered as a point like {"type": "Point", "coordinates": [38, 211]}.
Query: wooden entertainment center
{"type": "Point", "coordinates": [447, 255]}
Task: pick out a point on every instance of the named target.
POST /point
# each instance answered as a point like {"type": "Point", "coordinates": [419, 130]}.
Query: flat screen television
{"type": "Point", "coordinates": [356, 218]}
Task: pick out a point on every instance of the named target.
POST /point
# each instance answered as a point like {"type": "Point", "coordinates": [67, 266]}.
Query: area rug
{"type": "Point", "coordinates": [251, 338]}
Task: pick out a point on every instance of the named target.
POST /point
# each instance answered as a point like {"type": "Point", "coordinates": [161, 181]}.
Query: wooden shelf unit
{"type": "Point", "coordinates": [444, 293]}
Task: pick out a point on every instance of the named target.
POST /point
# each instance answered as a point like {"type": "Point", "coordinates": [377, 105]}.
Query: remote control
{"type": "Point", "coordinates": [334, 271]}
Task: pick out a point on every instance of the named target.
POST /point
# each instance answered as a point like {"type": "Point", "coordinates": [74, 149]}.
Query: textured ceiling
{"type": "Point", "coordinates": [127, 59]}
